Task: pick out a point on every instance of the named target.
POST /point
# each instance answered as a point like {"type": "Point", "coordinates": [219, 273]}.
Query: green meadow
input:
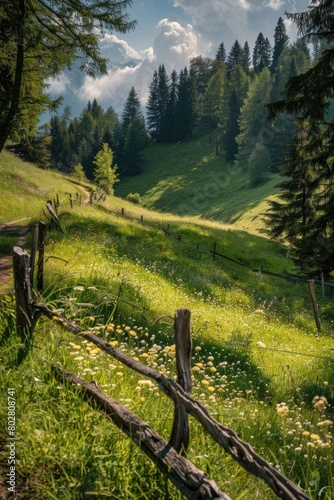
{"type": "Point", "coordinates": [259, 364]}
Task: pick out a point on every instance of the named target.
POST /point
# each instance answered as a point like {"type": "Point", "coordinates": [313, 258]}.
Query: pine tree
{"type": "Point", "coordinates": [261, 53]}
{"type": "Point", "coordinates": [235, 94]}
{"type": "Point", "coordinates": [235, 56]}
{"type": "Point", "coordinates": [131, 109]}
{"type": "Point", "coordinates": [246, 61]}
{"type": "Point", "coordinates": [152, 108]}
{"type": "Point", "coordinates": [135, 141]}
{"type": "Point", "coordinates": [309, 96]}
{"type": "Point", "coordinates": [38, 41]}
{"type": "Point", "coordinates": [184, 112]}
{"type": "Point", "coordinates": [281, 41]}
{"type": "Point", "coordinates": [221, 53]}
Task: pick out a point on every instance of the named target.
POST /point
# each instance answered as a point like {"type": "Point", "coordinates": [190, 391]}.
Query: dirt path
{"type": "Point", "coordinates": [6, 261]}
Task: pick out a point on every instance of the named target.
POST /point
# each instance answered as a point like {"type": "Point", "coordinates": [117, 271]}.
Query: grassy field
{"type": "Point", "coordinates": [258, 363]}
{"type": "Point", "coordinates": [188, 178]}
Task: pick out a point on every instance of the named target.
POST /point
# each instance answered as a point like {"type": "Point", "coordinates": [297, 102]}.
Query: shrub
{"type": "Point", "coordinates": [134, 198]}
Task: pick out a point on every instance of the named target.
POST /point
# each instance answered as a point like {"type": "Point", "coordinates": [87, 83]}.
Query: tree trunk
{"type": "Point", "coordinates": [7, 124]}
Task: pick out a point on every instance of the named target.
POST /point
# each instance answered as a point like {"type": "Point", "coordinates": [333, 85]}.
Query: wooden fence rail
{"type": "Point", "coordinates": [191, 481]}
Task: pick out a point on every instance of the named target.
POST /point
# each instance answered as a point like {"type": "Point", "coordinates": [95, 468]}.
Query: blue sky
{"type": "Point", "coordinates": [170, 32]}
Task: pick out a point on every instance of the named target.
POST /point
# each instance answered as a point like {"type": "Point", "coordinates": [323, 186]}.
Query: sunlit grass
{"type": "Point", "coordinates": [257, 362]}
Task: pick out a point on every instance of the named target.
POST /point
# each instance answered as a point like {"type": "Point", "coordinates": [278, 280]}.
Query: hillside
{"type": "Point", "coordinates": [188, 178]}
{"type": "Point", "coordinates": [259, 365]}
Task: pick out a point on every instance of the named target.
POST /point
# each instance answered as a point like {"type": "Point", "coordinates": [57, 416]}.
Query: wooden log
{"type": "Point", "coordinates": [40, 262]}
{"type": "Point", "coordinates": [180, 435]}
{"type": "Point", "coordinates": [192, 482]}
{"type": "Point", "coordinates": [54, 217]}
{"type": "Point", "coordinates": [314, 305]}
{"type": "Point", "coordinates": [238, 449]}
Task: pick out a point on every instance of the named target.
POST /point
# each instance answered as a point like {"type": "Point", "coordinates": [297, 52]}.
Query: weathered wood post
{"type": "Point", "coordinates": [40, 262]}
{"type": "Point", "coordinates": [122, 212]}
{"type": "Point", "coordinates": [34, 247]}
{"type": "Point", "coordinates": [180, 432]}
{"type": "Point", "coordinates": [71, 201]}
{"type": "Point", "coordinates": [24, 311]}
{"type": "Point", "coordinates": [314, 304]}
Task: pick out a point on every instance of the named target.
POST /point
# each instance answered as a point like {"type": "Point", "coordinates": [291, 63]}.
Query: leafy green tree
{"type": "Point", "coordinates": [105, 174]}
{"type": "Point", "coordinates": [78, 172]}
{"type": "Point", "coordinates": [38, 40]}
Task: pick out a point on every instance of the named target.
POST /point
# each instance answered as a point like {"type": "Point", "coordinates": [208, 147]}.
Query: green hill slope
{"type": "Point", "coordinates": [190, 179]}
{"type": "Point", "coordinates": [257, 362]}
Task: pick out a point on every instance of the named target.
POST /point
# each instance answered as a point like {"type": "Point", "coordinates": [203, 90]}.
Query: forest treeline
{"type": "Point", "coordinates": [225, 96]}
{"type": "Point", "coordinates": [268, 110]}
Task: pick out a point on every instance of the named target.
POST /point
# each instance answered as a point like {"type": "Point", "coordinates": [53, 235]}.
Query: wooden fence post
{"type": "Point", "coordinates": [34, 247]}
{"type": "Point", "coordinates": [122, 212]}
{"type": "Point", "coordinates": [180, 432]}
{"type": "Point", "coordinates": [24, 312]}
{"type": "Point", "coordinates": [214, 248]}
{"type": "Point", "coordinates": [314, 304]}
{"type": "Point", "coordinates": [40, 263]}
{"type": "Point", "coordinates": [71, 201]}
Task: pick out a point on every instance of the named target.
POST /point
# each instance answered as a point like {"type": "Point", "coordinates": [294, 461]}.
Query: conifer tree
{"type": "Point", "coordinates": [309, 96]}
{"type": "Point", "coordinates": [281, 41]}
{"type": "Point", "coordinates": [221, 53]}
{"type": "Point", "coordinates": [261, 53]}
{"type": "Point", "coordinates": [39, 39]}
{"type": "Point", "coordinates": [131, 109]}
{"type": "Point", "coordinates": [254, 116]}
{"type": "Point", "coordinates": [235, 56]}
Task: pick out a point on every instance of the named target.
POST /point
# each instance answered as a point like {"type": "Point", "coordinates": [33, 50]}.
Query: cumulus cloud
{"type": "Point", "coordinates": [218, 20]}
{"type": "Point", "coordinates": [173, 46]}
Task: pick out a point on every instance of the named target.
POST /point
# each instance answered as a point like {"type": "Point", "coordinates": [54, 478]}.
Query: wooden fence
{"type": "Point", "coordinates": [169, 456]}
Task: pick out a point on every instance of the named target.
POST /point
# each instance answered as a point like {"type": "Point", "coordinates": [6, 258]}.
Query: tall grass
{"type": "Point", "coordinates": [257, 362]}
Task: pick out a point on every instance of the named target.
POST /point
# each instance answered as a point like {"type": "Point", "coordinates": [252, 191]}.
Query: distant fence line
{"type": "Point", "coordinates": [260, 271]}
{"type": "Point", "coordinates": [167, 456]}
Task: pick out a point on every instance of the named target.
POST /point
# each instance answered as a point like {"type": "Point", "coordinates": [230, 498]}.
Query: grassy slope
{"type": "Point", "coordinates": [67, 448]}
{"type": "Point", "coordinates": [188, 178]}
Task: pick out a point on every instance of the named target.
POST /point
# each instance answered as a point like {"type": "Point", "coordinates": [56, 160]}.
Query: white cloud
{"type": "Point", "coordinates": [173, 46]}
{"type": "Point", "coordinates": [219, 20]}
{"type": "Point", "coordinates": [275, 4]}
{"type": "Point", "coordinates": [58, 85]}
